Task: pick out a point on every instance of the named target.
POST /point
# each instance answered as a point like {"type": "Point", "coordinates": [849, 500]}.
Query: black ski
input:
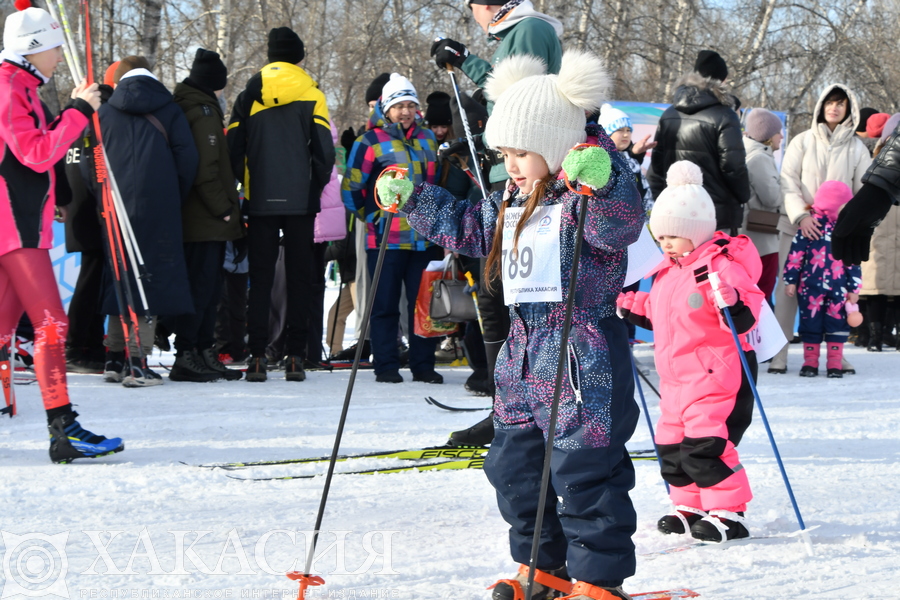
{"type": "Point", "coordinates": [434, 402]}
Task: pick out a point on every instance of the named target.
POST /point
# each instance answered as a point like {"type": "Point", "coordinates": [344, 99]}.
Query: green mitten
{"type": "Point", "coordinates": [393, 191]}
{"type": "Point", "coordinates": [589, 166]}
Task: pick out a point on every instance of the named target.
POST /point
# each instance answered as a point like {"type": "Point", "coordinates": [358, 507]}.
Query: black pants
{"type": "Point", "coordinates": [495, 319]}
{"type": "Point", "coordinates": [263, 238]}
{"type": "Point", "coordinates": [278, 314]}
{"type": "Point", "coordinates": [85, 321]}
{"type": "Point", "coordinates": [231, 320]}
{"type": "Point", "coordinates": [204, 266]}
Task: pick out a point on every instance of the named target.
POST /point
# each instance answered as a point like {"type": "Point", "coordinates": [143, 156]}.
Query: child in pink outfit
{"type": "Point", "coordinates": [824, 284]}
{"type": "Point", "coordinates": [706, 400]}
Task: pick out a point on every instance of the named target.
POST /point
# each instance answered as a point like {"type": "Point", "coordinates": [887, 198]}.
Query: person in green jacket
{"type": "Point", "coordinates": [520, 29]}
{"type": "Point", "coordinates": [210, 216]}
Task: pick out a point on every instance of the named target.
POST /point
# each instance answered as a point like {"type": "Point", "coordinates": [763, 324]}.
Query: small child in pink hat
{"type": "Point", "coordinates": [824, 284]}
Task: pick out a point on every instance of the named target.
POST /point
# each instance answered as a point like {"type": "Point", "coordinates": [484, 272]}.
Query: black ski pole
{"type": "Point", "coordinates": [306, 579]}
{"type": "Point", "coordinates": [557, 393]}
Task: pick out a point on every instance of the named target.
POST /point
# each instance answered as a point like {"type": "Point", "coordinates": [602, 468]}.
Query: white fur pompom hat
{"type": "Point", "coordinates": [544, 113]}
{"type": "Point", "coordinates": [684, 209]}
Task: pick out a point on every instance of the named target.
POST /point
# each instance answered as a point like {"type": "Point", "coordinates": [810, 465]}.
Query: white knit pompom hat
{"type": "Point", "coordinates": [544, 113]}
{"type": "Point", "coordinates": [684, 209]}
{"type": "Point", "coordinates": [30, 31]}
{"type": "Point", "coordinates": [397, 89]}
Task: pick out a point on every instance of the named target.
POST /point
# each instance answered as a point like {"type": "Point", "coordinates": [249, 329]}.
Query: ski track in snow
{"type": "Point", "coordinates": [838, 439]}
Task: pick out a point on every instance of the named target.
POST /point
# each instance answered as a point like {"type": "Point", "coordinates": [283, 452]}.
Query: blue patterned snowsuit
{"type": "Point", "coordinates": [589, 527]}
{"type": "Point", "coordinates": [822, 285]}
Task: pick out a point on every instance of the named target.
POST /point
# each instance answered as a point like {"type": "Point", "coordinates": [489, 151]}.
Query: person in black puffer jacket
{"type": "Point", "coordinates": [701, 126]}
{"type": "Point", "coordinates": [880, 191]}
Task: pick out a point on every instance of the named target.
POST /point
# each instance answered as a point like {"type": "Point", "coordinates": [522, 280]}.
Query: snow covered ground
{"type": "Point", "coordinates": [141, 525]}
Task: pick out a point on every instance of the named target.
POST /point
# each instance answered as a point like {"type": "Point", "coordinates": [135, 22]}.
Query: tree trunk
{"type": "Point", "coordinates": [150, 28]}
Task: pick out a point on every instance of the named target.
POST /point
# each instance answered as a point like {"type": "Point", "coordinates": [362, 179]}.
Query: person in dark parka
{"type": "Point", "coordinates": [210, 217]}
{"type": "Point", "coordinates": [701, 126]}
{"type": "Point", "coordinates": [152, 155]}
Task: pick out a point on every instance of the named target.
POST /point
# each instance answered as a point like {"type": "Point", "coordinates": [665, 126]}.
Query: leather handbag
{"type": "Point", "coordinates": [762, 221]}
{"type": "Point", "coordinates": [450, 301]}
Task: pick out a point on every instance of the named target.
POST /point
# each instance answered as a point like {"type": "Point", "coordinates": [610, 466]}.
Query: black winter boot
{"type": "Point", "coordinates": [875, 337]}
{"type": "Point", "coordinates": [210, 359]}
{"type": "Point", "coordinates": [190, 367]}
{"type": "Point", "coordinates": [479, 434]}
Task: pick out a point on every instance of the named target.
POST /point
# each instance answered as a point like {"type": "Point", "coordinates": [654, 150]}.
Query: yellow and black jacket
{"type": "Point", "coordinates": [280, 141]}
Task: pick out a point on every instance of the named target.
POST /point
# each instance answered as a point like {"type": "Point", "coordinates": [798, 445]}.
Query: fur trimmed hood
{"type": "Point", "coordinates": [695, 92]}
{"type": "Point", "coordinates": [847, 129]}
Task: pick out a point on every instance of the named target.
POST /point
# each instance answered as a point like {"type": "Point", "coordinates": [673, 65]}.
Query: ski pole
{"type": "Point", "coordinates": [714, 281]}
{"type": "Point", "coordinates": [306, 578]}
{"type": "Point", "coordinates": [471, 281]}
{"type": "Point", "coordinates": [73, 49]}
{"type": "Point", "coordinates": [637, 382]}
{"type": "Point", "coordinates": [114, 234]}
{"type": "Point", "coordinates": [67, 51]}
{"type": "Point", "coordinates": [465, 121]}
{"type": "Point", "coordinates": [557, 388]}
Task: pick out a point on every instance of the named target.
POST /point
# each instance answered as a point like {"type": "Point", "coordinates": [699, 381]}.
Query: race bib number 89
{"type": "Point", "coordinates": [531, 273]}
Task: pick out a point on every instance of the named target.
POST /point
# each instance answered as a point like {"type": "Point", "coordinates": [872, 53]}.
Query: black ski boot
{"type": "Point", "coordinates": [479, 434]}
{"type": "Point", "coordinates": [681, 520]}
{"type": "Point", "coordinates": [547, 584]}
{"type": "Point", "coordinates": [720, 526]}
{"type": "Point", "coordinates": [69, 440]}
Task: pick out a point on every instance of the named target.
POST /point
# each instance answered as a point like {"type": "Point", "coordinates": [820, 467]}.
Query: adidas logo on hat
{"type": "Point", "coordinates": [34, 44]}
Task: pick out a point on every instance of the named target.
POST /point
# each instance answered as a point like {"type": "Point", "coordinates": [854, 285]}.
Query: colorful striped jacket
{"type": "Point", "coordinates": [383, 145]}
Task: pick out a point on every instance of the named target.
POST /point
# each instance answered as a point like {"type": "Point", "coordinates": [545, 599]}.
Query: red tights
{"type": "Point", "coordinates": [27, 285]}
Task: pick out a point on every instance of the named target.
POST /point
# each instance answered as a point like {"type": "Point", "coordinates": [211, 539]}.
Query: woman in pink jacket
{"type": "Point", "coordinates": [33, 144]}
{"type": "Point", "coordinates": [706, 400]}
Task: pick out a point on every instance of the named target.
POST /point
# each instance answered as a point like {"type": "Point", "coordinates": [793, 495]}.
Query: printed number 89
{"type": "Point", "coordinates": [519, 264]}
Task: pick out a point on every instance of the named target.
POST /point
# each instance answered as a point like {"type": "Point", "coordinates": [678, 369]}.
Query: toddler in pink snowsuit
{"type": "Point", "coordinates": [706, 400]}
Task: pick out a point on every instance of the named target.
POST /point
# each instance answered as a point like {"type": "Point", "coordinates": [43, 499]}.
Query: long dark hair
{"type": "Point", "coordinates": [493, 265]}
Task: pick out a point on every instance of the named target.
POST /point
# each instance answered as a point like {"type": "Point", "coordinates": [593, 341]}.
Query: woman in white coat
{"type": "Point", "coordinates": [829, 150]}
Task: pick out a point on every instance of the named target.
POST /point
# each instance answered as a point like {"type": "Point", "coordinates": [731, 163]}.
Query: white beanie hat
{"type": "Point", "coordinates": [544, 113]}
{"type": "Point", "coordinates": [397, 89]}
{"type": "Point", "coordinates": [30, 31]}
{"type": "Point", "coordinates": [684, 209]}
{"type": "Point", "coordinates": [612, 119]}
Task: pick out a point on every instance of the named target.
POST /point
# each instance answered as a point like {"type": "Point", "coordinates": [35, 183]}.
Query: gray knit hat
{"type": "Point", "coordinates": [544, 113]}
{"type": "Point", "coordinates": [762, 125]}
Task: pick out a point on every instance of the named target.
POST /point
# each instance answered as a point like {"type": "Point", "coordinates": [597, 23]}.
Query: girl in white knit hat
{"type": "Point", "coordinates": [528, 234]}
{"type": "Point", "coordinates": [33, 146]}
{"type": "Point", "coordinates": [706, 401]}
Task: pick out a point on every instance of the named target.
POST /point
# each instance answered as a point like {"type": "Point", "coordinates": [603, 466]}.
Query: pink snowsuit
{"type": "Point", "coordinates": [706, 403]}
